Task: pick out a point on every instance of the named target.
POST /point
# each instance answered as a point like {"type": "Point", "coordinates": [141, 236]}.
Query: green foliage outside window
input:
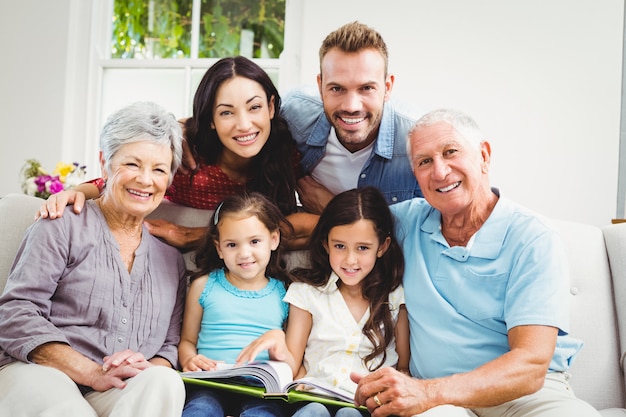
{"type": "Point", "coordinates": [162, 28]}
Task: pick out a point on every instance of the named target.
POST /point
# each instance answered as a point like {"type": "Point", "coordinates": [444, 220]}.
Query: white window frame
{"type": "Point", "coordinates": [84, 98]}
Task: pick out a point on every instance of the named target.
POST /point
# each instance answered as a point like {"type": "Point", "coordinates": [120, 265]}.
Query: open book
{"type": "Point", "coordinates": [271, 380]}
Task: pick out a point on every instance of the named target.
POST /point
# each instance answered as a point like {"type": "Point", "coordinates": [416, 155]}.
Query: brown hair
{"type": "Point", "coordinates": [348, 207]}
{"type": "Point", "coordinates": [355, 37]}
{"type": "Point", "coordinates": [241, 206]}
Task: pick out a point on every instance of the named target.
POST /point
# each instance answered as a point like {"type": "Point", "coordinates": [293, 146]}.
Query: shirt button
{"type": "Point", "coordinates": [124, 320]}
{"type": "Point", "coordinates": [394, 199]}
{"type": "Point", "coordinates": [363, 175]}
{"type": "Point", "coordinates": [120, 339]}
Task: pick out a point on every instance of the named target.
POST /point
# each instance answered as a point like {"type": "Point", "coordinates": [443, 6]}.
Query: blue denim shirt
{"type": "Point", "coordinates": [388, 167]}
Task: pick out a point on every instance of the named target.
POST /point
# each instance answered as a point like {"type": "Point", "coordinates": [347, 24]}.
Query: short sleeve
{"type": "Point", "coordinates": [298, 294]}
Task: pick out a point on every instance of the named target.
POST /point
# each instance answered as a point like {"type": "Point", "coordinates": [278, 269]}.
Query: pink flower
{"type": "Point", "coordinates": [55, 185]}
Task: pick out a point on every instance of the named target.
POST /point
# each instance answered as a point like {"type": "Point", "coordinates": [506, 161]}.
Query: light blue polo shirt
{"type": "Point", "coordinates": [462, 301]}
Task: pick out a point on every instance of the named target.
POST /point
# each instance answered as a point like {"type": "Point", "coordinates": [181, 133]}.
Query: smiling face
{"type": "Point", "coordinates": [242, 117]}
{"type": "Point", "coordinates": [353, 250]}
{"type": "Point", "coordinates": [451, 171]}
{"type": "Point", "coordinates": [137, 177]}
{"type": "Point", "coordinates": [245, 245]}
{"type": "Point", "coordinates": [354, 88]}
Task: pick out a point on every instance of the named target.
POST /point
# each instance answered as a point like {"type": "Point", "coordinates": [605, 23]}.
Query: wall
{"type": "Point", "coordinates": [543, 79]}
{"type": "Point", "coordinates": [32, 85]}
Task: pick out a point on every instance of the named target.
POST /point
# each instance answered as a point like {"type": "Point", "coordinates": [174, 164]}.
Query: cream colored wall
{"type": "Point", "coordinates": [542, 78]}
{"type": "Point", "coordinates": [32, 84]}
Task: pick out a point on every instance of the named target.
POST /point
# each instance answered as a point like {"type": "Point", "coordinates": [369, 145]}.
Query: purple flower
{"type": "Point", "coordinates": [41, 182]}
{"type": "Point", "coordinates": [55, 185]}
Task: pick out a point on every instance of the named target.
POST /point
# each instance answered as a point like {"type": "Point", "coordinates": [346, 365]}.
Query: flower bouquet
{"type": "Point", "coordinates": [37, 182]}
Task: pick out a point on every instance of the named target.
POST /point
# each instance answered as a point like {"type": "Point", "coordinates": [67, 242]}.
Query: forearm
{"type": "Point", "coordinates": [503, 379]}
{"type": "Point", "coordinates": [89, 189]}
{"type": "Point", "coordinates": [178, 236]}
{"type": "Point", "coordinates": [303, 225]}
{"type": "Point", "coordinates": [186, 352]}
{"type": "Point", "coordinates": [78, 367]}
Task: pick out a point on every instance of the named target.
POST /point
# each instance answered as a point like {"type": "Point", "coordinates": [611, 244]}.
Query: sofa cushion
{"type": "Point", "coordinates": [595, 378]}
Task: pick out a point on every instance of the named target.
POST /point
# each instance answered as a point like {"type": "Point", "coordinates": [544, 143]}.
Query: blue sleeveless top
{"type": "Point", "coordinates": [233, 318]}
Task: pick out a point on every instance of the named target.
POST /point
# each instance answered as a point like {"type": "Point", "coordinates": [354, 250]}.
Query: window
{"type": "Point", "coordinates": [197, 28]}
{"type": "Point", "coordinates": [158, 50]}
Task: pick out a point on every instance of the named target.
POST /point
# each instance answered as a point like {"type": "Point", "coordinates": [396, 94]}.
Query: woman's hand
{"type": "Point", "coordinates": [55, 205]}
{"type": "Point", "coordinates": [125, 358]}
{"type": "Point", "coordinates": [178, 236]}
{"type": "Point", "coordinates": [188, 164]}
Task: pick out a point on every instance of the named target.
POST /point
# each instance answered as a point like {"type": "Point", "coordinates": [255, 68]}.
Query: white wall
{"type": "Point", "coordinates": [32, 85]}
{"type": "Point", "coordinates": [543, 79]}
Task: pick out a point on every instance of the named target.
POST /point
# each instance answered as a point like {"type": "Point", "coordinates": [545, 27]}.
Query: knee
{"type": "Point", "coordinates": [313, 410]}
{"type": "Point", "coordinates": [202, 397]}
{"type": "Point", "coordinates": [164, 377]}
{"type": "Point", "coordinates": [348, 412]}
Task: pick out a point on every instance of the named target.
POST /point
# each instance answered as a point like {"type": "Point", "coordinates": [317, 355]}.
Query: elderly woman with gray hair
{"type": "Point", "coordinates": [91, 314]}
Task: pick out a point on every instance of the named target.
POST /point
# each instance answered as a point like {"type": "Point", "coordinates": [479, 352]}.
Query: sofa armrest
{"type": "Point", "coordinates": [615, 239]}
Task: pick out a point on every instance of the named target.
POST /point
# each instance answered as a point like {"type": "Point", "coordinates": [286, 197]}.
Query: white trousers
{"type": "Point", "coordinates": [28, 390]}
{"type": "Point", "coordinates": [555, 399]}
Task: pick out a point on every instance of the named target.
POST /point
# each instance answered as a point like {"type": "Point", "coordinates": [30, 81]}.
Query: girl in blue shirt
{"type": "Point", "coordinates": [239, 275]}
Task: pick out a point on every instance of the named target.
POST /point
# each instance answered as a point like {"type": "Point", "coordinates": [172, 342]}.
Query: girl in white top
{"type": "Point", "coordinates": [347, 311]}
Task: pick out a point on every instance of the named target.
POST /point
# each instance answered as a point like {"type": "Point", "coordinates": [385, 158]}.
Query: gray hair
{"type": "Point", "coordinates": [461, 122]}
{"type": "Point", "coordinates": [138, 122]}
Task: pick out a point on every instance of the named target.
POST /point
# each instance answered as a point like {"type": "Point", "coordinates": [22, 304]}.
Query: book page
{"type": "Point", "coordinates": [271, 375]}
{"type": "Point", "coordinates": [317, 386]}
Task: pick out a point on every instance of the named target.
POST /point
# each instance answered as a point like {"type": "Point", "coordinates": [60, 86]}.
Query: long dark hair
{"type": "Point", "coordinates": [240, 206]}
{"type": "Point", "coordinates": [274, 170]}
{"type": "Point", "coordinates": [346, 208]}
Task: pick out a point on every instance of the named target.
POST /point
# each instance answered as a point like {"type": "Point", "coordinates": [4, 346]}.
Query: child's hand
{"type": "Point", "coordinates": [199, 363]}
{"type": "Point", "coordinates": [273, 341]}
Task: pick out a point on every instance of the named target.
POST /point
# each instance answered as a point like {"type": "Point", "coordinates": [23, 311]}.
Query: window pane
{"type": "Point", "coordinates": [163, 28]}
{"type": "Point", "coordinates": [253, 28]}
{"type": "Point", "coordinates": [151, 29]}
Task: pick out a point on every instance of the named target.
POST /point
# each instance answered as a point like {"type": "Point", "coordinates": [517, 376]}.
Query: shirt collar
{"type": "Point", "coordinates": [386, 133]}
{"type": "Point", "coordinates": [384, 142]}
{"type": "Point", "coordinates": [488, 240]}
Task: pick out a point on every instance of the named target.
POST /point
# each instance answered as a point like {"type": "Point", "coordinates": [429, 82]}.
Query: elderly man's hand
{"type": "Point", "coordinates": [390, 392]}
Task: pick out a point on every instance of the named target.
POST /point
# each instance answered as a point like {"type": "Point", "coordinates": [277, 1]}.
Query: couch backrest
{"type": "Point", "coordinates": [596, 376]}
{"type": "Point", "coordinates": [17, 212]}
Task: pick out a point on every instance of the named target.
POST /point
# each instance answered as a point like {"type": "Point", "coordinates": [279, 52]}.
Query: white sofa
{"type": "Point", "coordinates": [598, 292]}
